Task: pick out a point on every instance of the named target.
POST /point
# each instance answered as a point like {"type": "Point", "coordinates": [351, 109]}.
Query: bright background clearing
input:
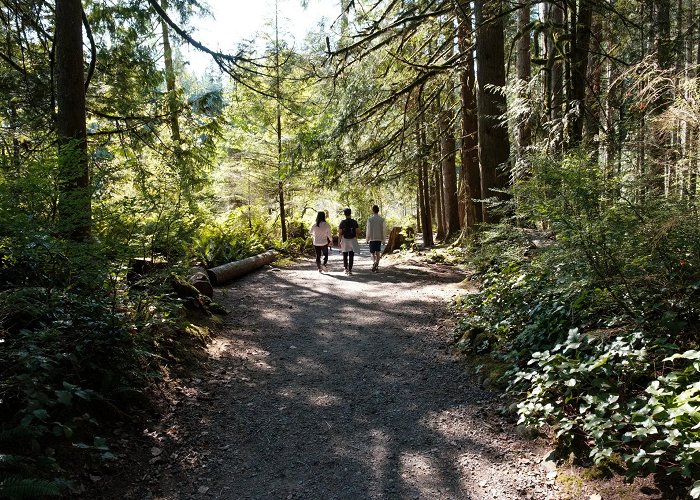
{"type": "Point", "coordinates": [239, 21]}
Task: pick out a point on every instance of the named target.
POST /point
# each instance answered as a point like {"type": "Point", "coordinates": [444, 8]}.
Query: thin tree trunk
{"type": "Point", "coordinates": [555, 73]}
{"type": "Point", "coordinates": [449, 173]}
{"type": "Point", "coordinates": [419, 198]}
{"type": "Point", "coordinates": [593, 116]}
{"type": "Point", "coordinates": [438, 199]}
{"type": "Point", "coordinates": [278, 97]}
{"type": "Point", "coordinates": [524, 72]}
{"type": "Point", "coordinates": [74, 206]}
{"type": "Point", "coordinates": [426, 222]}
{"type": "Point", "coordinates": [170, 79]}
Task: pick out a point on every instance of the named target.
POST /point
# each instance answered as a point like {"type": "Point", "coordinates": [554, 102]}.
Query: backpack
{"type": "Point", "coordinates": [349, 228]}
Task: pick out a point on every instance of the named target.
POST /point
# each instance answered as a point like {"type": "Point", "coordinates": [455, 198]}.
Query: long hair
{"type": "Point", "coordinates": [320, 217]}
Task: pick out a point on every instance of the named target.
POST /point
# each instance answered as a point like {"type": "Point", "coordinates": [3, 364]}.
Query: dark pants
{"type": "Point", "coordinates": [321, 250]}
{"type": "Point", "coordinates": [351, 254]}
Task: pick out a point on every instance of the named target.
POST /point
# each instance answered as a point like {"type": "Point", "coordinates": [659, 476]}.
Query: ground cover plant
{"type": "Point", "coordinates": [597, 315]}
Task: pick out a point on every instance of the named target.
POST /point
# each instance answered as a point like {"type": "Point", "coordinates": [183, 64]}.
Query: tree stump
{"type": "Point", "coordinates": [396, 239]}
{"type": "Point", "coordinates": [141, 266]}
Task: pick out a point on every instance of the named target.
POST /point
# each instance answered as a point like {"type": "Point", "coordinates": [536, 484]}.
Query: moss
{"type": "Point", "coordinates": [605, 469]}
{"type": "Point", "coordinates": [572, 484]}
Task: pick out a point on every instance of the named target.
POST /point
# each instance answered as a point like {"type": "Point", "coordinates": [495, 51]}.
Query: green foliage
{"type": "Point", "coordinates": [246, 231]}
{"type": "Point", "coordinates": [16, 487]}
{"type": "Point", "coordinates": [596, 312]}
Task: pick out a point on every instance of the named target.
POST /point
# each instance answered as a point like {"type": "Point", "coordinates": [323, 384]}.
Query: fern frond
{"type": "Point", "coordinates": [16, 487]}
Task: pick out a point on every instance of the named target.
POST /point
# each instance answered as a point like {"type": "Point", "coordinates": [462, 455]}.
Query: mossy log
{"type": "Point", "coordinates": [198, 278]}
{"type": "Point", "coordinates": [223, 274]}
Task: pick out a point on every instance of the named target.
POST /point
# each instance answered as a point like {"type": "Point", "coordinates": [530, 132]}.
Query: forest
{"type": "Point", "coordinates": [551, 147]}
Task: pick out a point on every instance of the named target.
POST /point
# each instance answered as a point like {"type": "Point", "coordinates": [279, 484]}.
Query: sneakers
{"type": "Point", "coordinates": [375, 266]}
{"type": "Point", "coordinates": [325, 269]}
{"type": "Point", "coordinates": [348, 272]}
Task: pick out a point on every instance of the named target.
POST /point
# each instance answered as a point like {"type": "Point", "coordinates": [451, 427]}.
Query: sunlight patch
{"type": "Point", "coordinates": [418, 471]}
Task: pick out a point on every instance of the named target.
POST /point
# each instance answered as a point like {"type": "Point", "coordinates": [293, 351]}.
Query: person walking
{"type": "Point", "coordinates": [376, 231]}
{"type": "Point", "coordinates": [347, 240]}
{"type": "Point", "coordinates": [321, 232]}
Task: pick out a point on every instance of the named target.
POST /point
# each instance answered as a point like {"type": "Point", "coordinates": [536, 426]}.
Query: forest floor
{"type": "Point", "coordinates": [327, 386]}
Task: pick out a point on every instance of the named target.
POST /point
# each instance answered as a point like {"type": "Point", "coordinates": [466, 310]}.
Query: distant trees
{"type": "Point", "coordinates": [553, 77]}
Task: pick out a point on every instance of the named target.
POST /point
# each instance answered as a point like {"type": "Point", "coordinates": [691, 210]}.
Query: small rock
{"type": "Point", "coordinates": [202, 490]}
{"type": "Point", "coordinates": [155, 451]}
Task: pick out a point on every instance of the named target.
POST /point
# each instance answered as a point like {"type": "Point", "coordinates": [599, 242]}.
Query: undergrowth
{"type": "Point", "coordinates": [81, 344]}
{"type": "Point", "coordinates": [596, 313]}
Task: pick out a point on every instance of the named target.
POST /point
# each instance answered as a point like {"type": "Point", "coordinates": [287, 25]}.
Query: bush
{"type": "Point", "coordinates": [598, 318]}
{"type": "Point", "coordinates": [245, 232]}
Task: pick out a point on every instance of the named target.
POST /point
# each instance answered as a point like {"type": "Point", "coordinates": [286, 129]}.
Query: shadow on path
{"type": "Point", "coordinates": [332, 386]}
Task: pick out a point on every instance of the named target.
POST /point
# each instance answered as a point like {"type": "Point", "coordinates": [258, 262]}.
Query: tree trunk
{"type": "Point", "coordinates": [449, 173]}
{"type": "Point", "coordinates": [524, 71]}
{"type": "Point", "coordinates": [438, 199]}
{"type": "Point", "coordinates": [419, 199]}
{"type": "Point", "coordinates": [658, 145]}
{"type": "Point", "coordinates": [555, 67]}
{"type": "Point", "coordinates": [423, 179]}
{"type": "Point", "coordinates": [223, 274]}
{"type": "Point", "coordinates": [593, 116]}
{"type": "Point", "coordinates": [491, 78]}
{"type": "Point", "coordinates": [74, 206]}
{"type": "Point", "coordinates": [278, 98]}
{"type": "Point", "coordinates": [581, 35]}
{"type": "Point", "coordinates": [470, 176]}
{"type": "Point", "coordinates": [170, 79]}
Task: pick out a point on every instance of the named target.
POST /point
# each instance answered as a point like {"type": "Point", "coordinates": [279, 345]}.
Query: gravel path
{"type": "Point", "coordinates": [326, 386]}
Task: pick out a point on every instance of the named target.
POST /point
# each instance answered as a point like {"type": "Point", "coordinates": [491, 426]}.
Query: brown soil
{"type": "Point", "coordinates": [326, 386]}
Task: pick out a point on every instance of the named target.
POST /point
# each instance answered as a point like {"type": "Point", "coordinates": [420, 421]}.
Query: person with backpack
{"type": "Point", "coordinates": [321, 233]}
{"type": "Point", "coordinates": [347, 240]}
{"type": "Point", "coordinates": [375, 236]}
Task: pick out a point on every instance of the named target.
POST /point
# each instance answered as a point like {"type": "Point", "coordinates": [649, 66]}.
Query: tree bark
{"type": "Point", "coordinates": [438, 199]}
{"type": "Point", "coordinates": [223, 274]}
{"type": "Point", "coordinates": [278, 110]}
{"type": "Point", "coordinates": [657, 147]}
{"type": "Point", "coordinates": [170, 79]}
{"type": "Point", "coordinates": [470, 175]}
{"type": "Point", "coordinates": [449, 173]}
{"type": "Point", "coordinates": [423, 179]}
{"type": "Point", "coordinates": [74, 205]}
{"type": "Point", "coordinates": [524, 71]}
{"type": "Point", "coordinates": [583, 17]}
{"type": "Point", "coordinates": [555, 65]}
{"type": "Point", "coordinates": [592, 120]}
{"type": "Point", "coordinates": [491, 78]}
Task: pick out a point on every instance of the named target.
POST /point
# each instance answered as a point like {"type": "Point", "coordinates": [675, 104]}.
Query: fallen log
{"type": "Point", "coordinates": [198, 278]}
{"type": "Point", "coordinates": [223, 274]}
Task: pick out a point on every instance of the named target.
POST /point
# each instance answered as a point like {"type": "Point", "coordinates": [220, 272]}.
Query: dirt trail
{"type": "Point", "coordinates": [326, 386]}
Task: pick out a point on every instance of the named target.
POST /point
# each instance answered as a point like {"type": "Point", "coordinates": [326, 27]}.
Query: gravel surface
{"type": "Point", "coordinates": [326, 386]}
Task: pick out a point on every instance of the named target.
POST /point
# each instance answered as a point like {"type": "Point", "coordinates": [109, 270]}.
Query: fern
{"type": "Point", "coordinates": [19, 433]}
{"type": "Point", "coordinates": [7, 460]}
{"type": "Point", "coordinates": [15, 487]}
